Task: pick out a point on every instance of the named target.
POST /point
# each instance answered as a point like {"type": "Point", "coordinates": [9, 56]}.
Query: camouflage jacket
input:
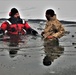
{"type": "Point", "coordinates": [54, 28]}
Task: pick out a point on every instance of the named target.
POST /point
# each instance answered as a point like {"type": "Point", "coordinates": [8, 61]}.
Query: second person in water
{"type": "Point", "coordinates": [53, 28]}
{"type": "Point", "coordinates": [15, 25]}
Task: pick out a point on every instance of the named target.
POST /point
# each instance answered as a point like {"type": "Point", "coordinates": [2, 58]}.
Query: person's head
{"type": "Point", "coordinates": [49, 13]}
{"type": "Point", "coordinates": [14, 13]}
{"type": "Point", "coordinates": [47, 61]}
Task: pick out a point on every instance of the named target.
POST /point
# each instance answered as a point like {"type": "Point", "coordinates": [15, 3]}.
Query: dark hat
{"type": "Point", "coordinates": [50, 12]}
{"type": "Point", "coordinates": [13, 12]}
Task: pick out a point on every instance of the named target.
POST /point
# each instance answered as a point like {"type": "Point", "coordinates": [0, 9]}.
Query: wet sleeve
{"type": "Point", "coordinates": [26, 26]}
{"type": "Point", "coordinates": [29, 30]}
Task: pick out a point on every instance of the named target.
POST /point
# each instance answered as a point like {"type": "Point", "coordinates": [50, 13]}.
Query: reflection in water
{"type": "Point", "coordinates": [52, 51]}
{"type": "Point", "coordinates": [14, 42]}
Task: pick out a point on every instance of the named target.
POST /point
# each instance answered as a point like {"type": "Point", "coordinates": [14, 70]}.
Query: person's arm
{"type": "Point", "coordinates": [29, 30]}
{"type": "Point", "coordinates": [60, 32]}
{"type": "Point", "coordinates": [3, 27]}
{"type": "Point", "coordinates": [46, 29]}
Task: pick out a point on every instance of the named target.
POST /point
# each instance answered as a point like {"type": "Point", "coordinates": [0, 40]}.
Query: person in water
{"type": "Point", "coordinates": [15, 25]}
{"type": "Point", "coordinates": [53, 28]}
{"type": "Point", "coordinates": [52, 32]}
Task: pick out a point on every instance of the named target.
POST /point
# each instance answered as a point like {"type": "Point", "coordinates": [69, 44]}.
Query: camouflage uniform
{"type": "Point", "coordinates": [54, 28]}
{"type": "Point", "coordinates": [51, 46]}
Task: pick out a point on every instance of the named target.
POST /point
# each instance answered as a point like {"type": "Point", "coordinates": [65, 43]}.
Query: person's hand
{"type": "Point", "coordinates": [34, 32]}
{"type": "Point", "coordinates": [42, 33]}
{"type": "Point", "coordinates": [50, 37]}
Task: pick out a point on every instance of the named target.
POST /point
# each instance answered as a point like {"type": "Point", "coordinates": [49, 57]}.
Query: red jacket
{"type": "Point", "coordinates": [15, 28]}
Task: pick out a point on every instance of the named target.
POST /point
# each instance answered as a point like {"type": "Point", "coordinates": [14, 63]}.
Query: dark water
{"type": "Point", "coordinates": [27, 57]}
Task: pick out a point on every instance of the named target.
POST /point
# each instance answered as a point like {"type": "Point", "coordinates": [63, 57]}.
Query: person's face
{"type": "Point", "coordinates": [17, 15]}
{"type": "Point", "coordinates": [48, 17]}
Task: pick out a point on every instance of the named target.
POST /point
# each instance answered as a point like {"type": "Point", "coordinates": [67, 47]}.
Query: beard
{"type": "Point", "coordinates": [19, 20]}
{"type": "Point", "coordinates": [14, 20]}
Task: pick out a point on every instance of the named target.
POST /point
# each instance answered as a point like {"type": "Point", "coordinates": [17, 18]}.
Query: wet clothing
{"type": "Point", "coordinates": [52, 49]}
{"type": "Point", "coordinates": [16, 26]}
{"type": "Point", "coordinates": [54, 28]}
